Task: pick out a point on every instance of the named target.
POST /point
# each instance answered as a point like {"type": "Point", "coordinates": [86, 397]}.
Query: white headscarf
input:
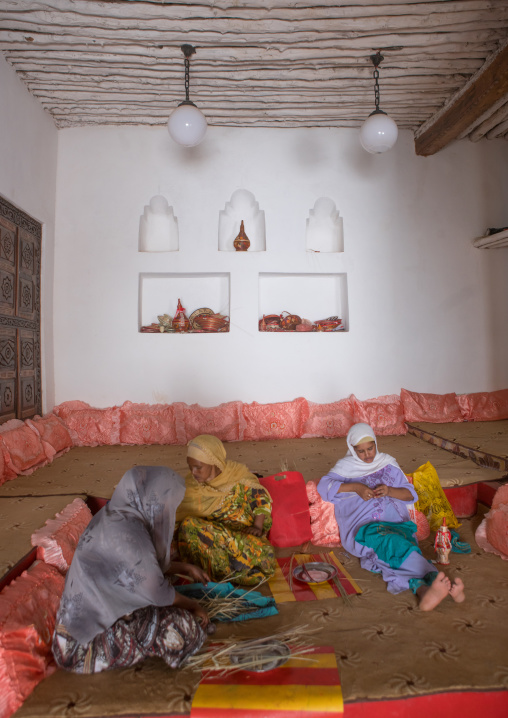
{"type": "Point", "coordinates": [351, 466]}
{"type": "Point", "coordinates": [122, 555]}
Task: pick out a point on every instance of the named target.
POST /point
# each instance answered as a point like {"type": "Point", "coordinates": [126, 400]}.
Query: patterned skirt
{"type": "Point", "coordinates": [170, 633]}
{"type": "Point", "coordinates": [222, 551]}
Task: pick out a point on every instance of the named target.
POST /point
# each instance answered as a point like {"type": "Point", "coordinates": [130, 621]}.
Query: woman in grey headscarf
{"type": "Point", "coordinates": [118, 607]}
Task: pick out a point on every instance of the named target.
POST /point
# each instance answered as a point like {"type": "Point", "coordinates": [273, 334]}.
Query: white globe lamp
{"type": "Point", "coordinates": [378, 133]}
{"type": "Point", "coordinates": [187, 124]}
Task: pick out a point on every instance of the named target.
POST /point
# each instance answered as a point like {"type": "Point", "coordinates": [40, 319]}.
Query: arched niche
{"type": "Point", "coordinates": [242, 207]}
{"type": "Point", "coordinates": [324, 231]}
{"type": "Point", "coordinates": [158, 227]}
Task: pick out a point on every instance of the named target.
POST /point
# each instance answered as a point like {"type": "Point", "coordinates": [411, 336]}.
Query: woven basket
{"type": "Point", "coordinates": [212, 322]}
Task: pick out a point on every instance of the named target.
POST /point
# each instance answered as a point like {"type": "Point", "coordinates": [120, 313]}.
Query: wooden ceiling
{"type": "Point", "coordinates": [267, 63]}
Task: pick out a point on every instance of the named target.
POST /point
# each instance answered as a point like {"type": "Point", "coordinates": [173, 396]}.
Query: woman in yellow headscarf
{"type": "Point", "coordinates": [225, 516]}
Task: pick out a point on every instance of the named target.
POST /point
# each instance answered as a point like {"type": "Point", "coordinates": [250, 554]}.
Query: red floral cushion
{"type": "Point", "coordinates": [151, 424]}
{"type": "Point", "coordinates": [484, 405]}
{"type": "Point", "coordinates": [53, 433]}
{"type": "Point", "coordinates": [57, 540]}
{"type": "Point", "coordinates": [225, 421]}
{"type": "Point", "coordinates": [325, 530]}
{"type": "Point", "coordinates": [275, 421]}
{"type": "Point", "coordinates": [28, 609]}
{"type": "Point", "coordinates": [23, 450]}
{"type": "Point", "coordinates": [329, 420]}
{"type": "Point", "coordinates": [433, 408]}
{"type": "Point", "coordinates": [385, 414]}
{"type": "Point", "coordinates": [88, 426]}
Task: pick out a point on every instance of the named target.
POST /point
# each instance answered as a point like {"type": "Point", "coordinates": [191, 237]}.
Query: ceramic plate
{"type": "Point", "coordinates": [314, 572]}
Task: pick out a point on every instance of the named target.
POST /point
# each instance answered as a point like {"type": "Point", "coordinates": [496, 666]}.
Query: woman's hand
{"type": "Point", "coordinates": [256, 528]}
{"type": "Point", "coordinates": [188, 569]}
{"type": "Point", "coordinates": [194, 607]}
{"type": "Point", "coordinates": [253, 530]}
{"type": "Point", "coordinates": [382, 490]}
{"type": "Point", "coordinates": [365, 492]}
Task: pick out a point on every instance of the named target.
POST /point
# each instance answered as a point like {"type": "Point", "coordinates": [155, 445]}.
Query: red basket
{"type": "Point", "coordinates": [212, 322]}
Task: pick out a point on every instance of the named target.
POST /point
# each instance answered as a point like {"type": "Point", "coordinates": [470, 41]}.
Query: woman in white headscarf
{"type": "Point", "coordinates": [118, 607]}
{"type": "Point", "coordinates": [371, 496]}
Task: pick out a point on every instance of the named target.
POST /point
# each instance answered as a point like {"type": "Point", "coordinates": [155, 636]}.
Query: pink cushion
{"type": "Point", "coordinates": [497, 521]}
{"type": "Point", "coordinates": [274, 421]}
{"type": "Point", "coordinates": [88, 426]}
{"type": "Point", "coordinates": [433, 408]}
{"type": "Point", "coordinates": [6, 471]}
{"type": "Point", "coordinates": [24, 450]}
{"type": "Point", "coordinates": [151, 424]}
{"type": "Point", "coordinates": [484, 405]}
{"type": "Point", "coordinates": [225, 421]}
{"type": "Point", "coordinates": [53, 433]}
{"type": "Point", "coordinates": [57, 540]}
{"type": "Point", "coordinates": [329, 420]}
{"type": "Point", "coordinates": [28, 609]}
{"type": "Point", "coordinates": [385, 414]}
{"type": "Point", "coordinates": [419, 518]}
{"type": "Point", "coordinates": [290, 509]}
{"type": "Point", "coordinates": [325, 530]}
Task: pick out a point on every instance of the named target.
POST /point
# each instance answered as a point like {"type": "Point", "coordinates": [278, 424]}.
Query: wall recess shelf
{"type": "Point", "coordinates": [159, 294]}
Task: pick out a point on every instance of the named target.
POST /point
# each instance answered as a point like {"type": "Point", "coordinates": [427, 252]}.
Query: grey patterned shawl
{"type": "Point", "coordinates": [123, 553]}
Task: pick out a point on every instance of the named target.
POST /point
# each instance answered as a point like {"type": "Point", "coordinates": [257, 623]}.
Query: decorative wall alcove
{"type": "Point", "coordinates": [242, 206]}
{"type": "Point", "coordinates": [324, 231]}
{"type": "Point", "coordinates": [310, 296]}
{"type": "Point", "coordinates": [158, 227]}
{"type": "Point", "coordinates": [159, 294]}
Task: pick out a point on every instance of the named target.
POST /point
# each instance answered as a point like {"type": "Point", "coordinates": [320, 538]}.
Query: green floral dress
{"type": "Point", "coordinates": [218, 545]}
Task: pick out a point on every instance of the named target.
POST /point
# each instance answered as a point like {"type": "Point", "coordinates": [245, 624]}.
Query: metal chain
{"type": "Point", "coordinates": [376, 87]}
{"type": "Point", "coordinates": [187, 82]}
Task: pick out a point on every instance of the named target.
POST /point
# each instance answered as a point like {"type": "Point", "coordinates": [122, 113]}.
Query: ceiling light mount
{"type": "Point", "coordinates": [187, 124]}
{"type": "Point", "coordinates": [379, 132]}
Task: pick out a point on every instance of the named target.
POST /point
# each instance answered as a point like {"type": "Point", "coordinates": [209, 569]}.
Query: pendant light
{"type": "Point", "coordinates": [379, 132]}
{"type": "Point", "coordinates": [187, 124]}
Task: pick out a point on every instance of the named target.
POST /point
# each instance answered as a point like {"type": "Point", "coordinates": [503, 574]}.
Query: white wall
{"type": "Point", "coordinates": [28, 156]}
{"type": "Point", "coordinates": [427, 311]}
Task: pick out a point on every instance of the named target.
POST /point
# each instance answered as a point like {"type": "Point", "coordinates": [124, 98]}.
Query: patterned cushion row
{"type": "Point", "coordinates": [56, 541]}
{"type": "Point", "coordinates": [25, 446]}
{"type": "Point", "coordinates": [444, 408]}
{"type": "Point", "coordinates": [28, 609]}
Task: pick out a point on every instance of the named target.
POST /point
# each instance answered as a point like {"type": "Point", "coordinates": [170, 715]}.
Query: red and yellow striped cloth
{"type": "Point", "coordinates": [284, 590]}
{"type": "Point", "coordinates": [304, 687]}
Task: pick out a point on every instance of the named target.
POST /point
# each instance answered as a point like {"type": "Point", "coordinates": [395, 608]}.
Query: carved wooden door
{"type": "Point", "coordinates": [20, 354]}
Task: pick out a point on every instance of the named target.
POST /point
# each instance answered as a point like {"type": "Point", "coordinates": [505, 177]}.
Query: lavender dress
{"type": "Point", "coordinates": [352, 512]}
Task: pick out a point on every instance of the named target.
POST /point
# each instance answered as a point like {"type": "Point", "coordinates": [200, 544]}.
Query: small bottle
{"type": "Point", "coordinates": [443, 544]}
{"type": "Point", "coordinates": [180, 321]}
{"type": "Point", "coordinates": [242, 242]}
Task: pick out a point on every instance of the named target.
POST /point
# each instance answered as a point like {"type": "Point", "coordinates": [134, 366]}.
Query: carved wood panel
{"type": "Point", "coordinates": [20, 350]}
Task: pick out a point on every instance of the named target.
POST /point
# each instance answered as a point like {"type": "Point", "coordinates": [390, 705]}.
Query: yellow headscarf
{"type": "Point", "coordinates": [202, 499]}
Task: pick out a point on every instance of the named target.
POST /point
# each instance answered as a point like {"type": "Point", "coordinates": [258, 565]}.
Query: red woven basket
{"type": "Point", "coordinates": [212, 322]}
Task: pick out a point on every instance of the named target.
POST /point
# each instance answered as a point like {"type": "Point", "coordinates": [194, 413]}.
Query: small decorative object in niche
{"type": "Point", "coordinates": [287, 322]}
{"type": "Point", "coordinates": [200, 321]}
{"type": "Point", "coordinates": [180, 322]}
{"type": "Point", "coordinates": [242, 242]}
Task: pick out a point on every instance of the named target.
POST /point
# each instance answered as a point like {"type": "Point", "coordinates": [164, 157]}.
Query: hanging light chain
{"type": "Point", "coordinates": [376, 61]}
{"type": "Point", "coordinates": [187, 50]}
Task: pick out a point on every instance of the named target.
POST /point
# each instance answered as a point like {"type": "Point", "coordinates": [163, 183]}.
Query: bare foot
{"type": "Point", "coordinates": [431, 596]}
{"type": "Point", "coordinates": [457, 590]}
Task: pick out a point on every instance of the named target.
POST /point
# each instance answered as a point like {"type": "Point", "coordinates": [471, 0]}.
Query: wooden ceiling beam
{"type": "Point", "coordinates": [479, 94]}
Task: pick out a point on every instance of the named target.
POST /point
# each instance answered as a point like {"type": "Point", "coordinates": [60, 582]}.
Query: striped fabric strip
{"type": "Point", "coordinates": [280, 584]}
{"type": "Point", "coordinates": [305, 687]}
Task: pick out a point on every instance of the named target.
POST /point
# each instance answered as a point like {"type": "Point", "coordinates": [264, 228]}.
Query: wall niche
{"type": "Point", "coordinates": [242, 207]}
{"type": "Point", "coordinates": [158, 227]}
{"type": "Point", "coordinates": [324, 232]}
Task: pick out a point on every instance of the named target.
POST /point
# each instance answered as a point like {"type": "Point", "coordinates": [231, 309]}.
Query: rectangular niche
{"type": "Point", "coordinates": [310, 296]}
{"type": "Point", "coordinates": [159, 294]}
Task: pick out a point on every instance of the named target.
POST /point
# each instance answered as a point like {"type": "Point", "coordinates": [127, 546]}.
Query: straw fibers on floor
{"type": "Point", "coordinates": [385, 647]}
